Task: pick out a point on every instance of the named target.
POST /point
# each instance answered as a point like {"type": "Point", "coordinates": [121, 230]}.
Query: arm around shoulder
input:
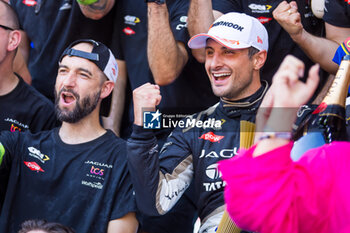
{"type": "Point", "coordinates": [125, 224]}
{"type": "Point", "coordinates": [114, 120]}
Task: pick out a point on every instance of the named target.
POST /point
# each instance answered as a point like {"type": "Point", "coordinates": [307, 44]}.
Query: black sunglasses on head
{"type": "Point", "coordinates": [6, 28]}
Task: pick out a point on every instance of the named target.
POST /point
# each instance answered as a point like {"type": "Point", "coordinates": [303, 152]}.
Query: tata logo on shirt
{"type": "Point", "coordinates": [131, 20]}
{"type": "Point", "coordinates": [213, 173]}
{"type": "Point", "coordinates": [210, 136]}
{"type": "Point", "coordinates": [257, 8]}
{"type": "Point", "coordinates": [33, 166]}
{"type": "Point", "coordinates": [29, 2]}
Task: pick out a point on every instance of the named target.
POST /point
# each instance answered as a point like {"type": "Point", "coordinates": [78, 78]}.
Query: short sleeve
{"type": "Point", "coordinates": [225, 6]}
{"type": "Point", "coordinates": [337, 13]}
{"type": "Point", "coordinates": [178, 19]}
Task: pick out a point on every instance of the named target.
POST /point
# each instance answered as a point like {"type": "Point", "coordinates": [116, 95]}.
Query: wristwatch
{"type": "Point", "coordinates": [159, 2]}
{"type": "Point", "coordinates": [284, 135]}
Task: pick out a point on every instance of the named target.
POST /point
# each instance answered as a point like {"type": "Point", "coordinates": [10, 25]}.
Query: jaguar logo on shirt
{"type": "Point", "coordinates": [33, 166]}
{"type": "Point", "coordinates": [29, 2]}
{"type": "Point", "coordinates": [16, 125]}
{"type": "Point", "coordinates": [258, 8]}
{"type": "Point", "coordinates": [223, 153]}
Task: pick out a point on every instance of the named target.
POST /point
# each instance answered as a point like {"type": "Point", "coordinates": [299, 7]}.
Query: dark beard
{"type": "Point", "coordinates": [81, 110]}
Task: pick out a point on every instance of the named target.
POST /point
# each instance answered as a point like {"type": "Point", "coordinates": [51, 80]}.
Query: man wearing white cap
{"type": "Point", "coordinates": [292, 26]}
{"type": "Point", "coordinates": [75, 174]}
{"type": "Point", "coordinates": [236, 46]}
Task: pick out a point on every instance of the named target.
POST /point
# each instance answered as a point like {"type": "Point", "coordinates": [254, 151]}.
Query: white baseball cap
{"type": "Point", "coordinates": [235, 31]}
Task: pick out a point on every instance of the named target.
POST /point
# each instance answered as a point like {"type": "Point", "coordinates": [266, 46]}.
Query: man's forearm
{"type": "Point", "coordinates": [97, 10]}
{"type": "Point", "coordinates": [166, 56]}
{"type": "Point", "coordinates": [200, 17]}
{"type": "Point", "coordinates": [158, 184]}
{"type": "Point", "coordinates": [320, 50]}
{"type": "Point", "coordinates": [143, 166]}
{"type": "Point", "coordinates": [125, 224]}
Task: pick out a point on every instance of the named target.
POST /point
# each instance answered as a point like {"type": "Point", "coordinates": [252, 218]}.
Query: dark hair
{"type": "Point", "coordinates": [11, 15]}
{"type": "Point", "coordinates": [43, 225]}
{"type": "Point", "coordinates": [252, 51]}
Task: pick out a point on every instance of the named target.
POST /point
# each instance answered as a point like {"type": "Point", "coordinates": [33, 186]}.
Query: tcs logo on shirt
{"type": "Point", "coordinates": [15, 128]}
{"type": "Point", "coordinates": [97, 171]}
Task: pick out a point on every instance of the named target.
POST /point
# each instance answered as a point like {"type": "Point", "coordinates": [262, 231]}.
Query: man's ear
{"type": "Point", "coordinates": [259, 59]}
{"type": "Point", "coordinates": [14, 40]}
{"type": "Point", "coordinates": [107, 88]}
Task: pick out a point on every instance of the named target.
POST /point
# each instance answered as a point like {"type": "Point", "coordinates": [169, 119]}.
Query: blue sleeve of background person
{"type": "Point", "coordinates": [337, 13]}
{"type": "Point", "coordinates": [148, 171]}
{"type": "Point", "coordinates": [225, 6]}
{"type": "Point", "coordinates": [178, 19]}
{"type": "Point", "coordinates": [338, 56]}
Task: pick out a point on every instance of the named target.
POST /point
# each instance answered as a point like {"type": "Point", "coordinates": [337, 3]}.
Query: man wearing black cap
{"type": "Point", "coordinates": [76, 174]}
{"type": "Point", "coordinates": [49, 27]}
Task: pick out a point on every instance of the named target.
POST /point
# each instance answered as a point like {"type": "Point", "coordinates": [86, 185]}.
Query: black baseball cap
{"type": "Point", "coordinates": [103, 57]}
